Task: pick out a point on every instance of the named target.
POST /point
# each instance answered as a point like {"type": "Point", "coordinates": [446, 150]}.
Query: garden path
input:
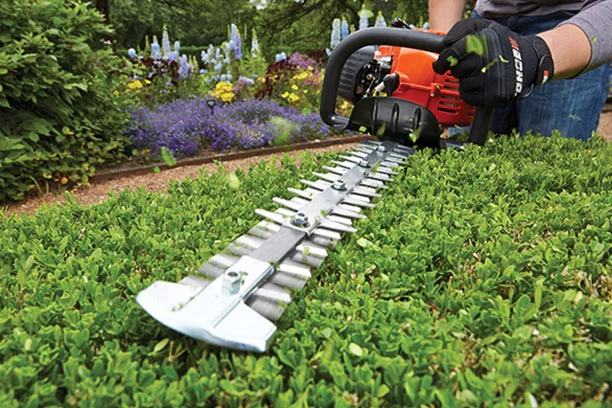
{"type": "Point", "coordinates": [94, 193]}
{"type": "Point", "coordinates": [88, 195]}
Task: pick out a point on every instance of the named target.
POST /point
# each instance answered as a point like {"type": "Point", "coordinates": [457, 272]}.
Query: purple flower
{"type": "Point", "coordinates": [187, 126]}
{"type": "Point", "coordinates": [235, 38]}
{"type": "Point", "coordinates": [344, 29]}
{"type": "Point", "coordinates": [155, 50]}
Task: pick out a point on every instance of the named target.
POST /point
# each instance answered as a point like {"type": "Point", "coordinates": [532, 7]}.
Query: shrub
{"type": "Point", "coordinates": [481, 278]}
{"type": "Point", "coordinates": [186, 127]}
{"type": "Point", "coordinates": [60, 118]}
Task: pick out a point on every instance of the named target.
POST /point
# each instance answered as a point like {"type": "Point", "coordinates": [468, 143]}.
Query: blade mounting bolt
{"type": "Point", "coordinates": [300, 219]}
{"type": "Point", "coordinates": [231, 282]}
{"type": "Point", "coordinates": [364, 163]}
{"type": "Point", "coordinates": [339, 185]}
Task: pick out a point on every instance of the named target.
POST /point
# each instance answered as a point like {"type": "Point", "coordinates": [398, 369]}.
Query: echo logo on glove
{"type": "Point", "coordinates": [518, 66]}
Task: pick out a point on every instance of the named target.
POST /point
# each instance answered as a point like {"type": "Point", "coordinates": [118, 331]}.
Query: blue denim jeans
{"type": "Point", "coordinates": [572, 106]}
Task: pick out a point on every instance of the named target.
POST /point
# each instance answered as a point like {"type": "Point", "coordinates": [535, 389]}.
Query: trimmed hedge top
{"type": "Point", "coordinates": [482, 276]}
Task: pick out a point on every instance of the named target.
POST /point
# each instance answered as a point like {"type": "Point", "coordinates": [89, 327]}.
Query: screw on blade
{"type": "Point", "coordinates": [339, 185]}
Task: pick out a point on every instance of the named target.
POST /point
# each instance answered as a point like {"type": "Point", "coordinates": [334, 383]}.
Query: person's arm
{"type": "Point", "coordinates": [443, 14]}
{"type": "Point", "coordinates": [570, 50]}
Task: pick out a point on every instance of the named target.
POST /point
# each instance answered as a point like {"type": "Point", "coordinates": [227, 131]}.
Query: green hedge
{"type": "Point", "coordinates": [59, 116]}
{"type": "Point", "coordinates": [482, 278]}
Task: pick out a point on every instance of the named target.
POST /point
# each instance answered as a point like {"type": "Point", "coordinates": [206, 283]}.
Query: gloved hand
{"type": "Point", "coordinates": [494, 65]}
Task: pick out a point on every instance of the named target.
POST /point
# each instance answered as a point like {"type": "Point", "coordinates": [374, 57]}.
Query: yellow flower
{"type": "Point", "coordinates": [302, 76]}
{"type": "Point", "coordinates": [293, 98]}
{"type": "Point", "coordinates": [135, 85]}
{"type": "Point", "coordinates": [115, 92]}
{"type": "Point", "coordinates": [294, 87]}
{"type": "Point", "coordinates": [224, 91]}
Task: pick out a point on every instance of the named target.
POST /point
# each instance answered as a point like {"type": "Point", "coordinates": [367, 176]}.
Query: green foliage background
{"type": "Point", "coordinates": [59, 118]}
{"type": "Point", "coordinates": [481, 277]}
{"type": "Point", "coordinates": [282, 25]}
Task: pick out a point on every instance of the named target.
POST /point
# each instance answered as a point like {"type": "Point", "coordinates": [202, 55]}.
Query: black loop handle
{"type": "Point", "coordinates": [400, 37]}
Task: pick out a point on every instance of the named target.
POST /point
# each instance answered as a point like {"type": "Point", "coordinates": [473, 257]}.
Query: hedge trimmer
{"type": "Point", "coordinates": [237, 295]}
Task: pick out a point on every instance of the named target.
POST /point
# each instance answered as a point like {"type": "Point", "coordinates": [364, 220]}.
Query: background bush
{"type": "Point", "coordinates": [59, 116]}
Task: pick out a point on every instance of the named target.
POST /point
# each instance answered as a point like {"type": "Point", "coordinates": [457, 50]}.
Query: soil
{"type": "Point", "coordinates": [99, 191]}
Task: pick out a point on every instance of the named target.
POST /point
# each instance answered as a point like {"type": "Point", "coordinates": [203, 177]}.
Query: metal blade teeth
{"type": "Point", "coordinates": [330, 212]}
{"type": "Point", "coordinates": [359, 154]}
{"type": "Point", "coordinates": [380, 176]}
{"type": "Point", "coordinates": [342, 211]}
{"type": "Point", "coordinates": [350, 158]}
{"type": "Point", "coordinates": [319, 184]}
{"type": "Point", "coordinates": [272, 292]}
{"type": "Point", "coordinates": [399, 154]}
{"type": "Point", "coordinates": [272, 216]}
{"type": "Point", "coordinates": [326, 176]}
{"type": "Point", "coordinates": [292, 204]}
{"type": "Point", "coordinates": [297, 269]}
{"type": "Point", "coordinates": [285, 213]}
{"type": "Point", "coordinates": [223, 260]}
{"type": "Point", "coordinates": [336, 226]}
{"type": "Point", "coordinates": [249, 241]}
{"type": "Point", "coordinates": [357, 201]}
{"type": "Point", "coordinates": [269, 300]}
{"type": "Point", "coordinates": [327, 234]}
{"type": "Point", "coordinates": [349, 207]}
{"type": "Point", "coordinates": [396, 160]}
{"type": "Point", "coordinates": [386, 170]}
{"type": "Point", "coordinates": [373, 183]}
{"type": "Point", "coordinates": [306, 259]}
{"type": "Point", "coordinates": [211, 271]}
{"type": "Point", "coordinates": [337, 170]}
{"type": "Point", "coordinates": [363, 149]}
{"type": "Point", "coordinates": [195, 281]}
{"type": "Point", "coordinates": [366, 191]}
{"type": "Point", "coordinates": [263, 230]}
{"type": "Point", "coordinates": [237, 249]}
{"type": "Point", "coordinates": [307, 193]}
{"type": "Point", "coordinates": [312, 250]}
{"type": "Point", "coordinates": [288, 280]}
{"type": "Point", "coordinates": [346, 164]}
{"type": "Point", "coordinates": [340, 220]}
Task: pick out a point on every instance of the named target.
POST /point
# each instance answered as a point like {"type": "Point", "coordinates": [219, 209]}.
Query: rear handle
{"type": "Point", "coordinates": [400, 37]}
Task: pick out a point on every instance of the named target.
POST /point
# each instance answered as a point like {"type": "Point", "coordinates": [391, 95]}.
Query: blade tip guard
{"type": "Point", "coordinates": [184, 309]}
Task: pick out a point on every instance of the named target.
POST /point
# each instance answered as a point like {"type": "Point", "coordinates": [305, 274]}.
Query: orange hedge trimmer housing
{"type": "Point", "coordinates": [387, 74]}
{"type": "Point", "coordinates": [419, 83]}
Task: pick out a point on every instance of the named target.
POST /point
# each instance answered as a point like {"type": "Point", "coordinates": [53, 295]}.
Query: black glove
{"type": "Point", "coordinates": [494, 65]}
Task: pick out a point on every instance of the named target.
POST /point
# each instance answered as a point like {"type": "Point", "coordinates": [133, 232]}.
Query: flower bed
{"type": "Point", "coordinates": [187, 126]}
{"type": "Point", "coordinates": [482, 277]}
